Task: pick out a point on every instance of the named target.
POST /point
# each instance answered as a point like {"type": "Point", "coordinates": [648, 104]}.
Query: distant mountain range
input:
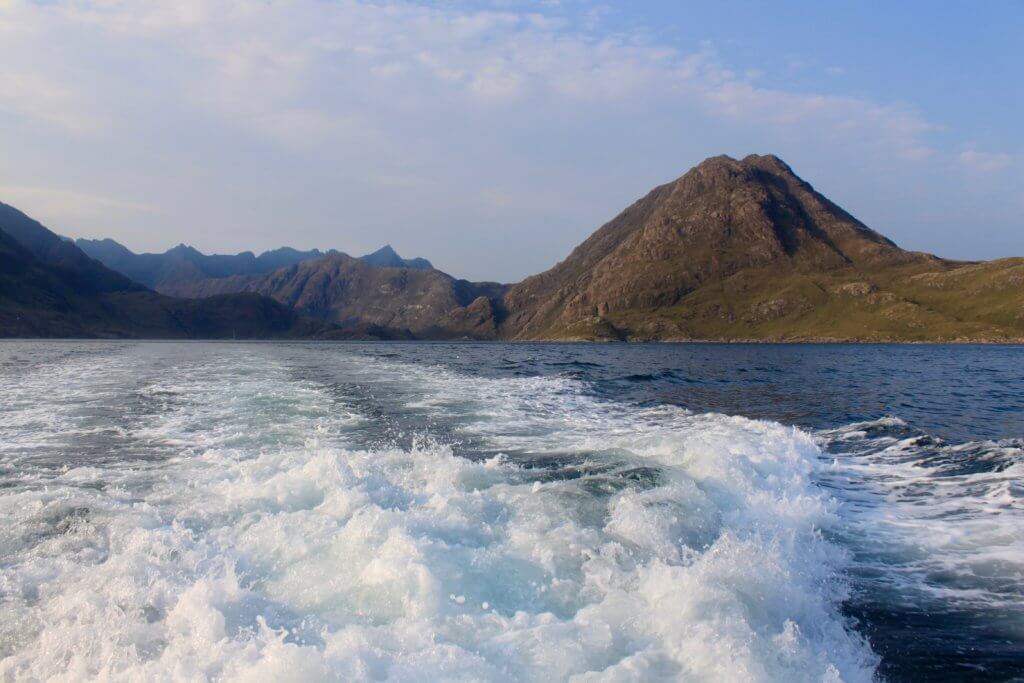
{"type": "Point", "coordinates": [732, 250]}
{"type": "Point", "coordinates": [51, 288]}
{"type": "Point", "coordinates": [170, 270]}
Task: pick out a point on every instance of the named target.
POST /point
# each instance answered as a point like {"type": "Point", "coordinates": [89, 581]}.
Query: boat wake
{"type": "Point", "coordinates": [307, 513]}
{"type": "Point", "coordinates": [247, 530]}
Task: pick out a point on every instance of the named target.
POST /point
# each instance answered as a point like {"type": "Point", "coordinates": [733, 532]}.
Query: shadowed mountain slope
{"type": "Point", "coordinates": [50, 288]}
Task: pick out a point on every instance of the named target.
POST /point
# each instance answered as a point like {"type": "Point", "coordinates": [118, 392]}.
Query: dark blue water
{"type": "Point", "coordinates": [959, 393]}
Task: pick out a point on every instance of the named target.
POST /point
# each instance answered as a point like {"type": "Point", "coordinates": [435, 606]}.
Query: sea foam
{"type": "Point", "coordinates": [277, 541]}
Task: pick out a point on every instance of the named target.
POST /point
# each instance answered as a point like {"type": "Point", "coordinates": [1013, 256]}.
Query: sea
{"type": "Point", "coordinates": [510, 512]}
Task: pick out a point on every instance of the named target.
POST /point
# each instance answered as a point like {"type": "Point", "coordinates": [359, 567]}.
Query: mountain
{"type": "Point", "coordinates": [50, 288]}
{"type": "Point", "coordinates": [745, 249]}
{"type": "Point", "coordinates": [80, 271]}
{"type": "Point", "coordinates": [163, 272]}
{"type": "Point", "coordinates": [171, 271]}
{"type": "Point", "coordinates": [400, 302]}
{"type": "Point", "coordinates": [386, 257]}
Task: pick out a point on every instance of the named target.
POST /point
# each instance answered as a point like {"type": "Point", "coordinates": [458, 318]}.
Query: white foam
{"type": "Point", "coordinates": [271, 547]}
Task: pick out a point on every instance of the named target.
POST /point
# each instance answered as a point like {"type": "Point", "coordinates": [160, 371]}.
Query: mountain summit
{"type": "Point", "coordinates": [386, 257]}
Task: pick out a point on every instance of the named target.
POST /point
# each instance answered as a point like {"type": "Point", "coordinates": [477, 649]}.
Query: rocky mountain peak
{"type": "Point", "coordinates": [387, 257]}
{"type": "Point", "coordinates": [722, 217]}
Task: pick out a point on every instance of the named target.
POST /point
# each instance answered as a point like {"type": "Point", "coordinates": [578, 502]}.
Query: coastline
{"type": "Point", "coordinates": [629, 342]}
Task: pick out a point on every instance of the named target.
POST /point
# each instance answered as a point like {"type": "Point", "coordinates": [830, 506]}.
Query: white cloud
{"type": "Point", "coordinates": [984, 162]}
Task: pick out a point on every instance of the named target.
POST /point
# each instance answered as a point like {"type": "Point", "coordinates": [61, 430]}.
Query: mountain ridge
{"type": "Point", "coordinates": [168, 271]}
{"type": "Point", "coordinates": [406, 302]}
{"type": "Point", "coordinates": [50, 288]}
{"type": "Point", "coordinates": [387, 257]}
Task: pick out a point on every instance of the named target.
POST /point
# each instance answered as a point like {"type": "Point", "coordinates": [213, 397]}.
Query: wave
{"type": "Point", "coordinates": [937, 531]}
{"type": "Point", "coordinates": [547, 536]}
{"type": "Point", "coordinates": [950, 515]}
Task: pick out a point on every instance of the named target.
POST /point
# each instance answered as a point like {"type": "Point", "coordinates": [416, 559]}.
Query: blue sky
{"type": "Point", "coordinates": [493, 137]}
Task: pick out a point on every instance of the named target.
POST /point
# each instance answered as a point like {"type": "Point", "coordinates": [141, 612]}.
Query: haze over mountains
{"type": "Point", "coordinates": [732, 250]}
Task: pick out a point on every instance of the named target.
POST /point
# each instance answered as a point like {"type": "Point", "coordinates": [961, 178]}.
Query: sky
{"type": "Point", "coordinates": [492, 137]}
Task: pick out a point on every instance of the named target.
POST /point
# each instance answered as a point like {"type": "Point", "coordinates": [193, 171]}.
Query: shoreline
{"type": "Point", "coordinates": [626, 342]}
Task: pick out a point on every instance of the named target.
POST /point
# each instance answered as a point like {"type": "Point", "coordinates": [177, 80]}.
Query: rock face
{"type": "Point", "coordinates": [745, 249]}
{"type": "Point", "coordinates": [50, 288]}
{"type": "Point", "coordinates": [393, 302]}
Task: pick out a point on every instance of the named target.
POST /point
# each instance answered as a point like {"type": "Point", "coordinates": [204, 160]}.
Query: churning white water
{"type": "Point", "coordinates": [261, 512]}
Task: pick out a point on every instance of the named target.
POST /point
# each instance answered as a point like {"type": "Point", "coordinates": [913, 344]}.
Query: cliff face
{"type": "Point", "coordinates": [745, 249]}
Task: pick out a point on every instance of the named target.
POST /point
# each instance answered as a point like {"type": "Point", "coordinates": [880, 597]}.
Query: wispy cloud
{"type": "Point", "coordinates": [985, 162]}
{"type": "Point", "coordinates": [308, 68]}
{"type": "Point", "coordinates": [255, 115]}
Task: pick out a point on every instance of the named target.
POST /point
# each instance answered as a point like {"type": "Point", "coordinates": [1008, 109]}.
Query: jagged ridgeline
{"type": "Point", "coordinates": [732, 250]}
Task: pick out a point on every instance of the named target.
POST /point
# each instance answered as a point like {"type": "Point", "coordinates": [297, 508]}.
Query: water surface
{"type": "Point", "coordinates": [511, 512]}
